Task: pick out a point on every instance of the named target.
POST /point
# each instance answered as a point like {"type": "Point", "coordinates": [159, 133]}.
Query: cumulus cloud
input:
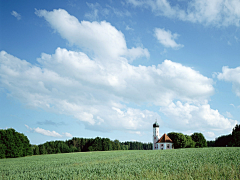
{"type": "Point", "coordinates": [166, 38]}
{"type": "Point", "coordinates": [214, 12]}
{"type": "Point", "coordinates": [70, 83]}
{"type": "Point", "coordinates": [99, 91]}
{"type": "Point", "coordinates": [88, 95]}
{"type": "Point", "coordinates": [100, 37]}
{"type": "Point", "coordinates": [47, 132]}
{"type": "Point", "coordinates": [210, 135]}
{"type": "Point", "coordinates": [231, 75]}
{"type": "Point", "coordinates": [199, 117]}
{"type": "Point", "coordinates": [16, 15]}
{"type": "Point", "coordinates": [67, 135]}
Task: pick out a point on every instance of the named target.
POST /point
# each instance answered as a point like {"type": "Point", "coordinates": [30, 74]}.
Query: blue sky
{"type": "Point", "coordinates": [110, 68]}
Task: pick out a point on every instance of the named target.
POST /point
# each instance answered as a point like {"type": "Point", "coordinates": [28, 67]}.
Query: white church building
{"type": "Point", "coordinates": [160, 143]}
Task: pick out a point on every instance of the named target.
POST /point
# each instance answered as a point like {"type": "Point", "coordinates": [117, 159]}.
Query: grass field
{"type": "Point", "coordinates": [206, 163]}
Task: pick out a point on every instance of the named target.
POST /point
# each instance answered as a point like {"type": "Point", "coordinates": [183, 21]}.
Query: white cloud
{"type": "Point", "coordinates": [214, 12]}
{"type": "Point", "coordinates": [166, 38]}
{"type": "Point", "coordinates": [99, 91]}
{"type": "Point", "coordinates": [47, 132]}
{"type": "Point", "coordinates": [70, 83]}
{"type": "Point", "coordinates": [231, 75]}
{"type": "Point", "coordinates": [198, 117]}
{"type": "Point", "coordinates": [135, 132]}
{"type": "Point", "coordinates": [16, 15]}
{"type": "Point", "coordinates": [138, 52]}
{"type": "Point", "coordinates": [102, 38]}
{"type": "Point", "coordinates": [210, 135]}
{"type": "Point", "coordinates": [67, 134]}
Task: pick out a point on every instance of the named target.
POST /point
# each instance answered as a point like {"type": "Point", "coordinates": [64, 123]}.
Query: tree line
{"type": "Point", "coordinates": [87, 144]}
{"type": "Point", "coordinates": [14, 144]}
{"type": "Point", "coordinates": [230, 140]}
{"type": "Point", "coordinates": [196, 140]}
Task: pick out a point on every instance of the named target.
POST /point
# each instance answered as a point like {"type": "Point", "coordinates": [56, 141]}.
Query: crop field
{"type": "Point", "coordinates": [205, 163]}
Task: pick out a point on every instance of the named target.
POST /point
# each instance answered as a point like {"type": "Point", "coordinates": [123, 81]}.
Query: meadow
{"type": "Point", "coordinates": [202, 163]}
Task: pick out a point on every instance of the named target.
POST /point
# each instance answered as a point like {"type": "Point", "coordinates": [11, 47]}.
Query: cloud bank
{"type": "Point", "coordinates": [104, 91]}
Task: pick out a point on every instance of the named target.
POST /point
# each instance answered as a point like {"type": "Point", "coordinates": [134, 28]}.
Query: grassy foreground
{"type": "Point", "coordinates": [206, 163]}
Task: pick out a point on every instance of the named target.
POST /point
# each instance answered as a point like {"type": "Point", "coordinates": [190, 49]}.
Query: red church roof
{"type": "Point", "coordinates": [164, 138]}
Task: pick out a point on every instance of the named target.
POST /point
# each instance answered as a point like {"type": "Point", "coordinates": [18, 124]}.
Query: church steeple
{"type": "Point", "coordinates": [155, 134]}
{"type": "Point", "coordinates": [156, 124]}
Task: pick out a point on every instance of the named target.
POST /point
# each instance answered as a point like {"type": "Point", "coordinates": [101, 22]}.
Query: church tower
{"type": "Point", "coordinates": [155, 134]}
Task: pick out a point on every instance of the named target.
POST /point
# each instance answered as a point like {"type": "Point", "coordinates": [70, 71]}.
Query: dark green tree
{"type": "Point", "coordinates": [189, 142]}
{"type": "Point", "coordinates": [211, 143]}
{"type": "Point", "coordinates": [136, 146]}
{"type": "Point", "coordinates": [90, 148]}
{"type": "Point", "coordinates": [97, 144]}
{"type": "Point", "coordinates": [199, 139]}
{"type": "Point", "coordinates": [236, 129]}
{"type": "Point", "coordinates": [14, 144]}
{"type": "Point", "coordinates": [73, 149]}
{"type": "Point", "coordinates": [117, 144]}
{"type": "Point", "coordinates": [105, 144]}
{"type": "Point", "coordinates": [235, 141]}
{"type": "Point", "coordinates": [42, 149]}
{"type": "Point", "coordinates": [2, 151]}
{"type": "Point", "coordinates": [125, 147]}
{"type": "Point", "coordinates": [223, 141]}
{"type": "Point", "coordinates": [35, 150]}
{"type": "Point", "coordinates": [178, 139]}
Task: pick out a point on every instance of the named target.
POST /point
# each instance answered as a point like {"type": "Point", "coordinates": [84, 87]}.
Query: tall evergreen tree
{"type": "Point", "coordinates": [223, 141]}
{"type": "Point", "coordinates": [236, 136]}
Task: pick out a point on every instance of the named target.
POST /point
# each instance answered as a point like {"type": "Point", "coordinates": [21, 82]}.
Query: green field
{"type": "Point", "coordinates": [204, 163]}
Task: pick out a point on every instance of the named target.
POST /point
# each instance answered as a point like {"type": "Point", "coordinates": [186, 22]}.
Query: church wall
{"type": "Point", "coordinates": [163, 146]}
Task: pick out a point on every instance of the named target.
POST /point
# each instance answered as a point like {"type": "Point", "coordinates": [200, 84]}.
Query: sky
{"type": "Point", "coordinates": [112, 68]}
